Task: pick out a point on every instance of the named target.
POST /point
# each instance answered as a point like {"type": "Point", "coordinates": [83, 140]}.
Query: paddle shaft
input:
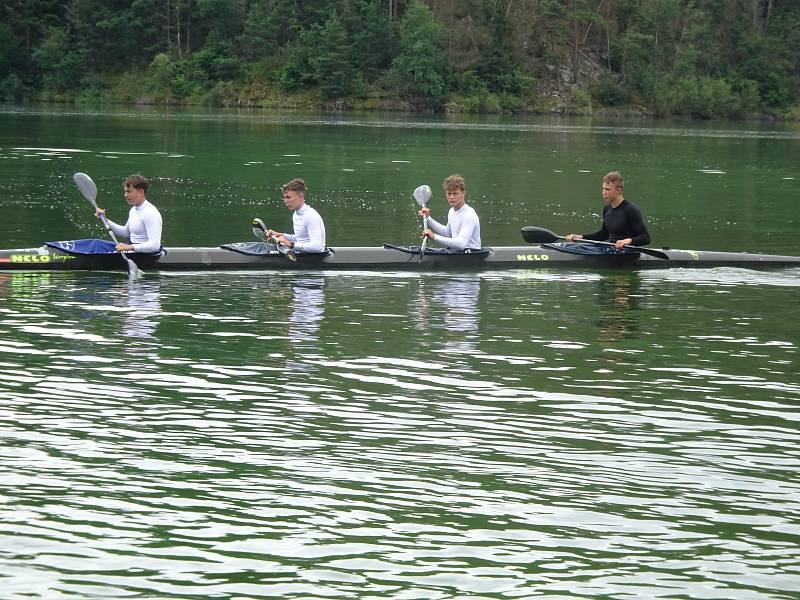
{"type": "Point", "coordinates": [422, 194]}
{"type": "Point", "coordinates": [650, 251]}
{"type": "Point", "coordinates": [540, 235]}
{"type": "Point", "coordinates": [424, 244]}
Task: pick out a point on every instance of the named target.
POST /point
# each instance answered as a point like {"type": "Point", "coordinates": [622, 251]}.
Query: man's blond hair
{"type": "Point", "coordinates": [295, 185]}
{"type": "Point", "coordinates": [454, 182]}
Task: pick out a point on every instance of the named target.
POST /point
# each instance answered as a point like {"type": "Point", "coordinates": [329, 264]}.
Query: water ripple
{"type": "Point", "coordinates": [612, 437]}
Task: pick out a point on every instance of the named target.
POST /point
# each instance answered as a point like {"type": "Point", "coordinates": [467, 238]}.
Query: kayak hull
{"type": "Point", "coordinates": [46, 258]}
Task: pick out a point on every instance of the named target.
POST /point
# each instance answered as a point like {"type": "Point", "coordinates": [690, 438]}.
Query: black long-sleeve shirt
{"type": "Point", "coordinates": [624, 221]}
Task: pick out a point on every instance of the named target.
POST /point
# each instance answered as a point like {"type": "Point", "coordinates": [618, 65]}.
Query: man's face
{"type": "Point", "coordinates": [455, 197]}
{"type": "Point", "coordinates": [133, 196]}
{"type": "Point", "coordinates": [611, 192]}
{"type": "Point", "coordinates": [293, 200]}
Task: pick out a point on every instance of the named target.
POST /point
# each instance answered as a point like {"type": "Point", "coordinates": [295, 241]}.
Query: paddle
{"type": "Point", "coordinates": [539, 235]}
{"type": "Point", "coordinates": [89, 191]}
{"type": "Point", "coordinates": [423, 195]}
{"type": "Point", "coordinates": [260, 231]}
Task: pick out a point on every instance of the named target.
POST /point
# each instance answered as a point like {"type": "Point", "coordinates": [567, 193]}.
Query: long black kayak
{"type": "Point", "coordinates": [258, 256]}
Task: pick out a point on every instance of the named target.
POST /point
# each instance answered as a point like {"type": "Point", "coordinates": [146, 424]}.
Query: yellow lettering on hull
{"type": "Point", "coordinates": [30, 258]}
{"type": "Point", "coordinates": [532, 257]}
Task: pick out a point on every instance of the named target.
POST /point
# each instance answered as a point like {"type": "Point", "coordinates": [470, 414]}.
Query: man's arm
{"type": "Point", "coordinates": [316, 235]}
{"type": "Point", "coordinates": [152, 225]}
{"type": "Point", "coordinates": [118, 230]}
{"type": "Point", "coordinates": [437, 227]}
{"type": "Point", "coordinates": [641, 236]}
{"type": "Point", "coordinates": [466, 227]}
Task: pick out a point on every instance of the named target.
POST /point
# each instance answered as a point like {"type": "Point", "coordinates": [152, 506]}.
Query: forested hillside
{"type": "Point", "coordinates": [704, 58]}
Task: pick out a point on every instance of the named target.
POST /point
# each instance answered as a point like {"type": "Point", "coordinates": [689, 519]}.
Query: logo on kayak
{"type": "Point", "coordinates": [30, 258]}
{"type": "Point", "coordinates": [532, 257]}
{"type": "Point", "coordinates": [38, 258]}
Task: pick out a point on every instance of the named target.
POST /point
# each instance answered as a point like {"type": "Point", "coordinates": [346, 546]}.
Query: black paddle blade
{"type": "Point", "coordinates": [538, 235]}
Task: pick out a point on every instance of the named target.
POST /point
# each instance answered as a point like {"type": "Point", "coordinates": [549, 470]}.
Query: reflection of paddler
{"type": "Point", "coordinates": [617, 303]}
{"type": "Point", "coordinates": [459, 297]}
{"type": "Point", "coordinates": [143, 299]}
{"type": "Point", "coordinates": [308, 308]}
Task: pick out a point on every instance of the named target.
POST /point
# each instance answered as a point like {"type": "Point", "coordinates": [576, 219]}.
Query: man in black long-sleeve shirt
{"type": "Point", "coordinates": [622, 220]}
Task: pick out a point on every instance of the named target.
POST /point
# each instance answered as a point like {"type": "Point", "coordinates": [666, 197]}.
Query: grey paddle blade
{"type": "Point", "coordinates": [87, 187]}
{"type": "Point", "coordinates": [134, 272]}
{"type": "Point", "coordinates": [422, 194]}
{"type": "Point", "coordinates": [259, 229]}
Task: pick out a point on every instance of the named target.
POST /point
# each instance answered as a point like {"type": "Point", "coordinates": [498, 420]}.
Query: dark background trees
{"type": "Point", "coordinates": [720, 58]}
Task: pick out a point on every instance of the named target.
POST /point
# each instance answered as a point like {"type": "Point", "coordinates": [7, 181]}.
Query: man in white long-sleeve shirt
{"type": "Point", "coordinates": [463, 229]}
{"type": "Point", "coordinates": [309, 230]}
{"type": "Point", "coordinates": [143, 228]}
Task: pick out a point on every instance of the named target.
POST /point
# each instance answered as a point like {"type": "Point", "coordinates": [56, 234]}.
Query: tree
{"type": "Point", "coordinates": [370, 34]}
{"type": "Point", "coordinates": [420, 68]}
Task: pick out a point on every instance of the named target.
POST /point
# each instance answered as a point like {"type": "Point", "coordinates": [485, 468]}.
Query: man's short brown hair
{"type": "Point", "coordinates": [454, 182]}
{"type": "Point", "coordinates": [137, 182]}
{"type": "Point", "coordinates": [295, 185]}
{"type": "Point", "coordinates": [614, 178]}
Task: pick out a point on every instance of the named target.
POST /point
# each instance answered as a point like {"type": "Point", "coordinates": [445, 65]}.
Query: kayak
{"type": "Point", "coordinates": [262, 256]}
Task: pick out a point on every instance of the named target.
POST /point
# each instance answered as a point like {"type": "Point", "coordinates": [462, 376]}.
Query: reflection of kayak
{"type": "Point", "coordinates": [255, 255]}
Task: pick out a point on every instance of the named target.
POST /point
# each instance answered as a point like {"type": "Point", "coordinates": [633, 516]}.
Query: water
{"type": "Point", "coordinates": [394, 435]}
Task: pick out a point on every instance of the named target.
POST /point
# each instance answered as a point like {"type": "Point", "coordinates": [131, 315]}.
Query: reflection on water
{"type": "Point", "coordinates": [575, 125]}
{"type": "Point", "coordinates": [617, 299]}
{"type": "Point", "coordinates": [433, 437]}
{"type": "Point", "coordinates": [143, 303]}
{"type": "Point", "coordinates": [308, 308]}
{"type": "Point", "coordinates": [456, 299]}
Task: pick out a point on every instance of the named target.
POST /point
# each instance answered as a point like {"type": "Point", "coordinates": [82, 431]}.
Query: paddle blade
{"type": "Point", "coordinates": [134, 272]}
{"type": "Point", "coordinates": [538, 235]}
{"type": "Point", "coordinates": [87, 187]}
{"type": "Point", "coordinates": [259, 229]}
{"type": "Point", "coordinates": [422, 195]}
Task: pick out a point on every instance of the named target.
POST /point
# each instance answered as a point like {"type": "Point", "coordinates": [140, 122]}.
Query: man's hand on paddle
{"type": "Point", "coordinates": [623, 242]}
{"type": "Point", "coordinates": [279, 238]}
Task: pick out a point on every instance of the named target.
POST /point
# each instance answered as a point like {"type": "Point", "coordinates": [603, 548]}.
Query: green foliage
{"type": "Point", "coordinates": [321, 58]}
{"type": "Point", "coordinates": [370, 35]}
{"type": "Point", "coordinates": [420, 68]}
{"type": "Point", "coordinates": [608, 92]}
{"type": "Point", "coordinates": [168, 80]}
{"type": "Point", "coordinates": [704, 58]}
{"type": "Point", "coordinates": [265, 30]}
{"type": "Point", "coordinates": [335, 74]}
{"type": "Point", "coordinates": [10, 53]}
{"type": "Point", "coordinates": [12, 88]}
{"type": "Point", "coordinates": [59, 64]}
{"type": "Point", "coordinates": [213, 63]}
{"type": "Point", "coordinates": [706, 97]}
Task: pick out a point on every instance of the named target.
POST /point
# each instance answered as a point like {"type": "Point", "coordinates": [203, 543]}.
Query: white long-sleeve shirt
{"type": "Point", "coordinates": [309, 230]}
{"type": "Point", "coordinates": [463, 229]}
{"type": "Point", "coordinates": [143, 228]}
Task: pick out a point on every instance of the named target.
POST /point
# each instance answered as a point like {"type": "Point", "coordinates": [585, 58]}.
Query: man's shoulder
{"type": "Point", "coordinates": [469, 210]}
{"type": "Point", "coordinates": [628, 206]}
{"type": "Point", "coordinates": [310, 210]}
{"type": "Point", "coordinates": [148, 206]}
